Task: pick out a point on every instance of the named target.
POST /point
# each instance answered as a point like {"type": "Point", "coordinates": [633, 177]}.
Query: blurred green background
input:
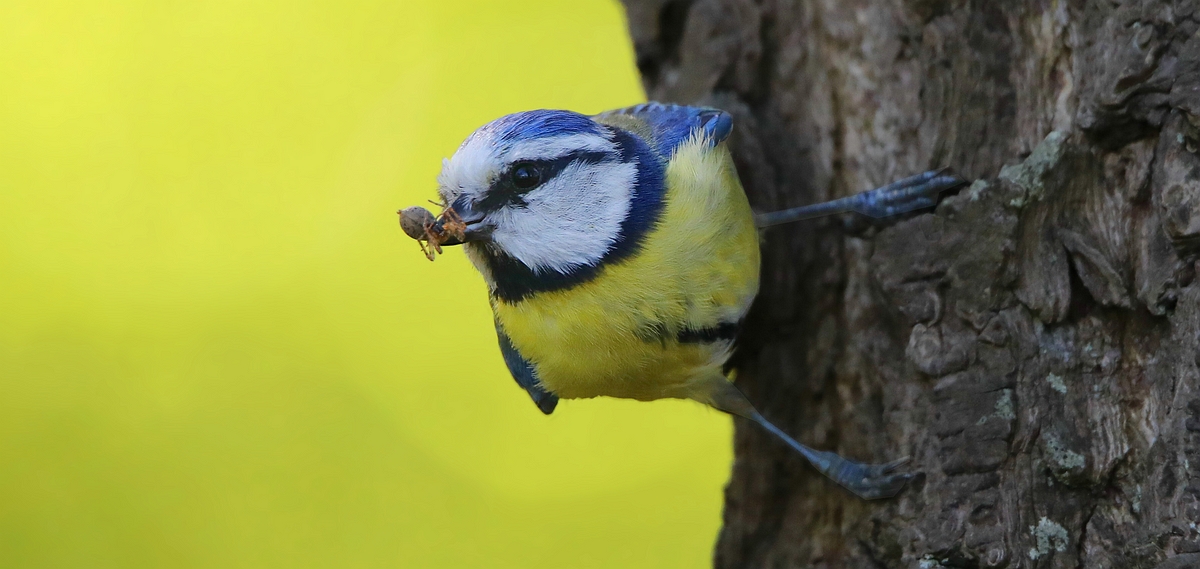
{"type": "Point", "coordinates": [217, 349]}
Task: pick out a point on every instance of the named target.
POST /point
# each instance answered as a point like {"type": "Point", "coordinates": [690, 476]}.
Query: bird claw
{"type": "Point", "coordinates": [872, 481]}
{"type": "Point", "coordinates": [868, 481]}
{"type": "Point", "coordinates": [912, 193]}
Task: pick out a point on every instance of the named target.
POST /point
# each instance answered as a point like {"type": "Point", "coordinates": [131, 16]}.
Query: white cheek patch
{"type": "Point", "coordinates": [570, 221]}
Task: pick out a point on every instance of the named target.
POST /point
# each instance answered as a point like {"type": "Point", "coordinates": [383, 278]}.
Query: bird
{"type": "Point", "coordinates": [621, 255]}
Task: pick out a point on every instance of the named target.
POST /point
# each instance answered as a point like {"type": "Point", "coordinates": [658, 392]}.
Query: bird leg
{"type": "Point", "coordinates": [911, 193]}
{"type": "Point", "coordinates": [868, 481]}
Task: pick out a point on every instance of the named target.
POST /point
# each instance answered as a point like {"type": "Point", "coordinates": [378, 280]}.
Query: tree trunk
{"type": "Point", "coordinates": [1033, 343]}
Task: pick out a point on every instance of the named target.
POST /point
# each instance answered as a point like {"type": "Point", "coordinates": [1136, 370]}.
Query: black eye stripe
{"type": "Point", "coordinates": [551, 168]}
{"type": "Point", "coordinates": [503, 192]}
{"type": "Point", "coordinates": [515, 281]}
{"type": "Point", "coordinates": [525, 175]}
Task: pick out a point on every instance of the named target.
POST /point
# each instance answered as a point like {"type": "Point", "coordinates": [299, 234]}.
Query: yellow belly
{"type": "Point", "coordinates": [615, 334]}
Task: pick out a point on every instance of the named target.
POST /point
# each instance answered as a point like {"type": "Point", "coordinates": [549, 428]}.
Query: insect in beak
{"type": "Point", "coordinates": [463, 224]}
{"type": "Point", "coordinates": [448, 228]}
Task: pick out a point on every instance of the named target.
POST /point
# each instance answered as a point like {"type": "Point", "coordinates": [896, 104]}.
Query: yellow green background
{"type": "Point", "coordinates": [217, 349]}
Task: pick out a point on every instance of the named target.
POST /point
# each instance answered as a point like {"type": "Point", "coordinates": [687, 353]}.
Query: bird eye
{"type": "Point", "coordinates": [525, 175]}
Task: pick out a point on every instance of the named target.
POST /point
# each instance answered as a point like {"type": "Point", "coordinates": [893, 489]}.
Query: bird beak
{"type": "Point", "coordinates": [473, 227]}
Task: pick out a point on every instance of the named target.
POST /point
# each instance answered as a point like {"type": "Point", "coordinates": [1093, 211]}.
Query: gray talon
{"type": "Point", "coordinates": [911, 193]}
{"type": "Point", "coordinates": [868, 481]}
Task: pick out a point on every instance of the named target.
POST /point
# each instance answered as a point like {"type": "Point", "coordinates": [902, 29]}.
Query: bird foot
{"type": "Point", "coordinates": [869, 481]}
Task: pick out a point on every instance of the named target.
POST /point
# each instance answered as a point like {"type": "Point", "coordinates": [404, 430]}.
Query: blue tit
{"type": "Point", "coordinates": [621, 255]}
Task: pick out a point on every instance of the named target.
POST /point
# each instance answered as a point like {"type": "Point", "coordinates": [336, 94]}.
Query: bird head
{"type": "Point", "coordinates": [544, 193]}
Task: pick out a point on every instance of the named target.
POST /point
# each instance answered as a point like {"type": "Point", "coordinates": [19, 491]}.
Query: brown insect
{"type": "Point", "coordinates": [429, 231]}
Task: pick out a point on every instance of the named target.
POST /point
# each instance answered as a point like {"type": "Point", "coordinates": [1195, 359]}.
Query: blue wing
{"type": "Point", "coordinates": [523, 372]}
{"type": "Point", "coordinates": [669, 125]}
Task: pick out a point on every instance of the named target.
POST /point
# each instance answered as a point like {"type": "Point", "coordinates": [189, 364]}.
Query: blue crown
{"type": "Point", "coordinates": [538, 124]}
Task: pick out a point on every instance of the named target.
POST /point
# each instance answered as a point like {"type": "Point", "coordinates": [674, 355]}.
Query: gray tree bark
{"type": "Point", "coordinates": [1033, 343]}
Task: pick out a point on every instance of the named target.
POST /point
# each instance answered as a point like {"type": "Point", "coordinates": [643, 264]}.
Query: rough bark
{"type": "Point", "coordinates": [1033, 343]}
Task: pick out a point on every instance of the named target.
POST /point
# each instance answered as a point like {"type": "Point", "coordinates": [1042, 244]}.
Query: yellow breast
{"type": "Point", "coordinates": [615, 335]}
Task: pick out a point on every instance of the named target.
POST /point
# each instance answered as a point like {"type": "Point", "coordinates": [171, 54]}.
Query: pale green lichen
{"type": "Point", "coordinates": [1030, 175]}
{"type": "Point", "coordinates": [1004, 406]}
{"type": "Point", "coordinates": [1062, 456]}
{"type": "Point", "coordinates": [1003, 409]}
{"type": "Point", "coordinates": [1048, 536]}
{"type": "Point", "coordinates": [1056, 383]}
{"type": "Point", "coordinates": [976, 190]}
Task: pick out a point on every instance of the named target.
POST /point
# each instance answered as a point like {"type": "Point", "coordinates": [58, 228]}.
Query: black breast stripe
{"type": "Point", "coordinates": [724, 331]}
